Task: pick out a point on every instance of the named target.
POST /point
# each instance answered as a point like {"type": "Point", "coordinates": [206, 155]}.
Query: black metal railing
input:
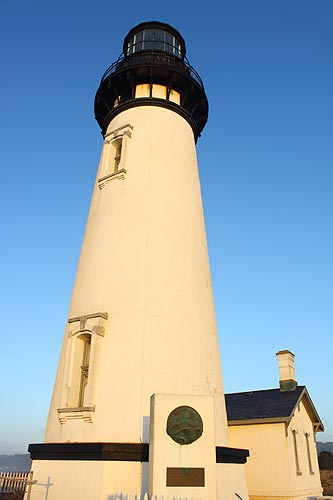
{"type": "Point", "coordinates": [154, 58]}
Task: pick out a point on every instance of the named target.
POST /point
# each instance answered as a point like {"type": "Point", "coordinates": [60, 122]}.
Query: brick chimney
{"type": "Point", "coordinates": [287, 370]}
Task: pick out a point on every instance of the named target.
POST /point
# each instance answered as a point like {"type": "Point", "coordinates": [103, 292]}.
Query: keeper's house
{"type": "Point", "coordinates": [279, 428]}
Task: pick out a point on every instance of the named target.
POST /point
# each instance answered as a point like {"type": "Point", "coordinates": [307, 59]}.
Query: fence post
{"type": "Point", "coordinates": [31, 473]}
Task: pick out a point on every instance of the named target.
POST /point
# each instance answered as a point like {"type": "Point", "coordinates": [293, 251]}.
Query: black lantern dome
{"type": "Point", "coordinates": [153, 57]}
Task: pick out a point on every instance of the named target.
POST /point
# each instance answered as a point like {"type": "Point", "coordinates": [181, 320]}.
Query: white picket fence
{"type": "Point", "coordinates": [13, 482]}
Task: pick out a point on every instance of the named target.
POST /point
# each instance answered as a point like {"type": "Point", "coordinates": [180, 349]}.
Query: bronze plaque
{"type": "Point", "coordinates": [185, 476]}
{"type": "Point", "coordinates": [184, 425]}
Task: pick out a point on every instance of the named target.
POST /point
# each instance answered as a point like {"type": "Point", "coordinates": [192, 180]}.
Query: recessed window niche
{"type": "Point", "coordinates": [77, 395]}
{"type": "Point", "coordinates": [113, 160]}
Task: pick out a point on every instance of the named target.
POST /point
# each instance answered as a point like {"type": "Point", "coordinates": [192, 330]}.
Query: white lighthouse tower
{"type": "Point", "coordinates": [138, 402]}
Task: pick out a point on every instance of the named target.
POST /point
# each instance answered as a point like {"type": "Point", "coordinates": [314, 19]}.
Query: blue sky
{"type": "Point", "coordinates": [265, 158]}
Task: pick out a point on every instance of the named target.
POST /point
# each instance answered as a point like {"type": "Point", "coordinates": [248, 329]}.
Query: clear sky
{"type": "Point", "coordinates": [265, 156]}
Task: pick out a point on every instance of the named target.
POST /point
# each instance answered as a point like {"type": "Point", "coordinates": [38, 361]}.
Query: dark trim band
{"type": "Point", "coordinates": [123, 452]}
{"type": "Point", "coordinates": [151, 101]}
{"type": "Point", "coordinates": [225, 455]}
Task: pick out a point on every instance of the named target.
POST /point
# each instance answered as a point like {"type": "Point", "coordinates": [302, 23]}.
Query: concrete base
{"type": "Point", "coordinates": [104, 480]}
{"type": "Point", "coordinates": [85, 480]}
{"type": "Point", "coordinates": [231, 482]}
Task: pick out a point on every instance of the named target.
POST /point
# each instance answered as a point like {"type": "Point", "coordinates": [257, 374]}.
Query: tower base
{"type": "Point", "coordinates": [104, 480]}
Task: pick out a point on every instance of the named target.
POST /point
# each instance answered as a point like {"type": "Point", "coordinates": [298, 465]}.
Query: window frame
{"type": "Point", "coordinates": [307, 438]}
{"type": "Point", "coordinates": [76, 401]}
{"type": "Point", "coordinates": [114, 153]}
{"type": "Point", "coordinates": [297, 464]}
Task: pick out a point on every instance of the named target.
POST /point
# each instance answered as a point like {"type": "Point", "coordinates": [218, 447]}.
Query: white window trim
{"type": "Point", "coordinates": [93, 325]}
{"type": "Point", "coordinates": [106, 167]}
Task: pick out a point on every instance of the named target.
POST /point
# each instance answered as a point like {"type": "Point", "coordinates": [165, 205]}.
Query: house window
{"type": "Point", "coordinates": [298, 471]}
{"type": "Point", "coordinates": [307, 437]}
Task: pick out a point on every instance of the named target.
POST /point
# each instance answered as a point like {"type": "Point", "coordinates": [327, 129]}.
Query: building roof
{"type": "Point", "coordinates": [270, 405]}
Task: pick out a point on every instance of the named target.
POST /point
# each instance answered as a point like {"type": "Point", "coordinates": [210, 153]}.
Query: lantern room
{"type": "Point", "coordinates": [152, 70]}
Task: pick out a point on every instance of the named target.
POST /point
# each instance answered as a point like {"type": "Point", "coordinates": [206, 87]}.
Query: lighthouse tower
{"type": "Point", "coordinates": [138, 402]}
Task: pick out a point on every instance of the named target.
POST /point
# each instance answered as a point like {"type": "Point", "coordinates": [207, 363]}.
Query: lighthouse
{"type": "Point", "coordinates": [138, 402]}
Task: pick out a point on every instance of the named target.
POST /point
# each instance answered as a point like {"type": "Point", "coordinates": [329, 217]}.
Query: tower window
{"type": "Point", "coordinates": [113, 159]}
{"type": "Point", "coordinates": [77, 393]}
{"type": "Point", "coordinates": [86, 339]}
{"type": "Point", "coordinates": [117, 146]}
{"type": "Point", "coordinates": [80, 367]}
{"type": "Point", "coordinates": [155, 90]}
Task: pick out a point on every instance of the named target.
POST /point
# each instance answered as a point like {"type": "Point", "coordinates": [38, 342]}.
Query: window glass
{"type": "Point", "coordinates": [147, 37]}
{"type": "Point", "coordinates": [138, 41]}
{"type": "Point", "coordinates": [169, 43]}
{"type": "Point", "coordinates": [117, 153]}
{"type": "Point", "coordinates": [149, 34]}
{"type": "Point", "coordinates": [159, 35]}
{"type": "Point", "coordinates": [149, 45]}
{"type": "Point", "coordinates": [154, 39]}
{"type": "Point", "coordinates": [159, 40]}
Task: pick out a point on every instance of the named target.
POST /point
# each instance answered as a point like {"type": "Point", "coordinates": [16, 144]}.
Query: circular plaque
{"type": "Point", "coordinates": [184, 425]}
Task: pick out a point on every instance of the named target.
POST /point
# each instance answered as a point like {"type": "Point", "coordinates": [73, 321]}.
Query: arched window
{"type": "Point", "coordinates": [80, 369]}
{"type": "Point", "coordinates": [86, 340]}
{"type": "Point", "coordinates": [117, 146]}
{"type": "Point", "coordinates": [113, 159]}
{"type": "Point", "coordinates": [298, 470]}
{"type": "Point", "coordinates": [307, 437]}
{"type": "Point", "coordinates": [77, 393]}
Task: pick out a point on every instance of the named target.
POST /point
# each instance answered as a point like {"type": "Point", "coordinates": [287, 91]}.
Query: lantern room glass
{"type": "Point", "coordinates": [154, 39]}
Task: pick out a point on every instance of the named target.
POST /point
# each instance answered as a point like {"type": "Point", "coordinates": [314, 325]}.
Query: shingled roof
{"type": "Point", "coordinates": [270, 405]}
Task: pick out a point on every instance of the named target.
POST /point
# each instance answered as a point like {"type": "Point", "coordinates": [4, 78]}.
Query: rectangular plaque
{"type": "Point", "coordinates": [185, 476]}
